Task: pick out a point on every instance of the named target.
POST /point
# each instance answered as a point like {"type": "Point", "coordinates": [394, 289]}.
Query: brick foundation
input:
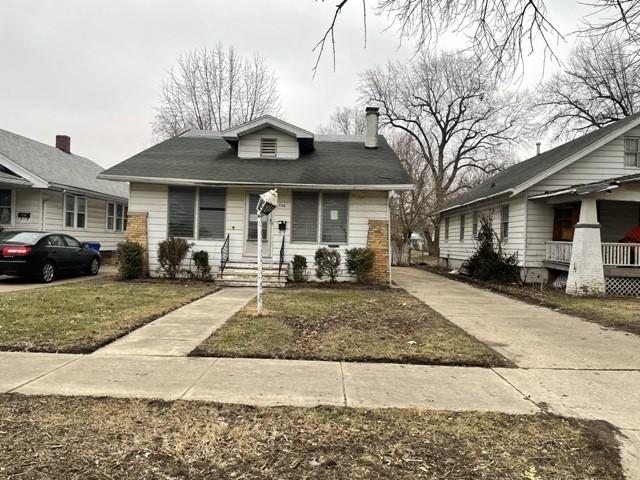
{"type": "Point", "coordinates": [137, 232]}
{"type": "Point", "coordinates": [378, 241]}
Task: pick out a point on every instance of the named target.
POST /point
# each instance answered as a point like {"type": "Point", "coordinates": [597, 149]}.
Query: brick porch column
{"type": "Point", "coordinates": [586, 272]}
{"type": "Point", "coordinates": [137, 232]}
{"type": "Point", "coordinates": [378, 241]}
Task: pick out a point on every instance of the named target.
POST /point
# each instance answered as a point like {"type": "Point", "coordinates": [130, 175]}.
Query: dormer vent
{"type": "Point", "coordinates": [268, 147]}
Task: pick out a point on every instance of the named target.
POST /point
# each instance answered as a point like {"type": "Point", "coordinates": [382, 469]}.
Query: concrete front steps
{"type": "Point", "coordinates": [245, 274]}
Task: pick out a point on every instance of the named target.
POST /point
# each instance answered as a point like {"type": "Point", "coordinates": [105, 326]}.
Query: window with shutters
{"type": "Point", "coordinates": [182, 203]}
{"type": "Point", "coordinates": [335, 222]}
{"type": "Point", "coordinates": [631, 154]}
{"type": "Point", "coordinates": [268, 147]}
{"type": "Point", "coordinates": [304, 217]}
{"type": "Point", "coordinates": [211, 213]}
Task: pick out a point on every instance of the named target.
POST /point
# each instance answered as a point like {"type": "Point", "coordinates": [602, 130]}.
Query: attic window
{"type": "Point", "coordinates": [268, 147]}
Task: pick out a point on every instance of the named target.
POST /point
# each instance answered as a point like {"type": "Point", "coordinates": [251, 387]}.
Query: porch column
{"type": "Point", "coordinates": [586, 272]}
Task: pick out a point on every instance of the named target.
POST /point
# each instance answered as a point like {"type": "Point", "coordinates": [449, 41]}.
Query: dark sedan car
{"type": "Point", "coordinates": [45, 256]}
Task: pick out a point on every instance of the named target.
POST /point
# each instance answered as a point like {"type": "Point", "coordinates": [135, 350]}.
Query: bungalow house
{"type": "Point", "coordinates": [46, 188]}
{"type": "Point", "coordinates": [571, 213]}
{"type": "Point", "coordinates": [333, 191]}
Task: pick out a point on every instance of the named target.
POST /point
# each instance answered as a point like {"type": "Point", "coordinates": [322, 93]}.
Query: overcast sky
{"type": "Point", "coordinates": [92, 69]}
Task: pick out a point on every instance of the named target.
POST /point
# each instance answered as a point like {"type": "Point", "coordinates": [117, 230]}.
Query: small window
{"type": "Point", "coordinates": [304, 217]}
{"type": "Point", "coordinates": [631, 154]}
{"type": "Point", "coordinates": [446, 228]}
{"type": "Point", "coordinates": [211, 213]}
{"type": "Point", "coordinates": [268, 147]}
{"type": "Point", "coordinates": [474, 226]}
{"type": "Point", "coordinates": [75, 211]}
{"type": "Point", "coordinates": [116, 217]}
{"type": "Point", "coordinates": [5, 207]}
{"type": "Point", "coordinates": [462, 221]}
{"type": "Point", "coordinates": [504, 222]}
{"type": "Point", "coordinates": [335, 209]}
{"type": "Point", "coordinates": [182, 203]}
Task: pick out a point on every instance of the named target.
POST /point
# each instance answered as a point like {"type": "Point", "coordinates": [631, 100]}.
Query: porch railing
{"type": "Point", "coordinates": [224, 255]}
{"type": "Point", "coordinates": [613, 254]}
{"type": "Point", "coordinates": [558, 252]}
{"type": "Point", "coordinates": [621, 254]}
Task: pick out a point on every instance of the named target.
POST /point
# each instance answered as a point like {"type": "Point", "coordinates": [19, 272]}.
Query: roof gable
{"type": "Point", "coordinates": [525, 174]}
{"type": "Point", "coordinates": [233, 134]}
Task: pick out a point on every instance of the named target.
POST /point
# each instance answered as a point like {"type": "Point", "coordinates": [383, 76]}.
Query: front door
{"type": "Point", "coordinates": [251, 237]}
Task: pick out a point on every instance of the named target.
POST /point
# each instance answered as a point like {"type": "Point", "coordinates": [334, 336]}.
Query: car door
{"type": "Point", "coordinates": [78, 255]}
{"type": "Point", "coordinates": [56, 251]}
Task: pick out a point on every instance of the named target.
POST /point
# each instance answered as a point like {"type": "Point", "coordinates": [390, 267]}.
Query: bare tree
{"type": "Point", "coordinates": [600, 84]}
{"type": "Point", "coordinates": [452, 109]}
{"type": "Point", "coordinates": [213, 89]}
{"type": "Point", "coordinates": [500, 32]}
{"type": "Point", "coordinates": [345, 121]}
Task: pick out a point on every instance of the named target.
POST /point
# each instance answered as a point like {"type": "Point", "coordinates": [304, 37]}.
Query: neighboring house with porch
{"type": "Point", "coordinates": [203, 186]}
{"type": "Point", "coordinates": [570, 213]}
{"type": "Point", "coordinates": [47, 188]}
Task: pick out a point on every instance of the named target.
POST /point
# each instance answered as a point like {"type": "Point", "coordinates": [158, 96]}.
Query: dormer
{"type": "Point", "coordinates": [269, 138]}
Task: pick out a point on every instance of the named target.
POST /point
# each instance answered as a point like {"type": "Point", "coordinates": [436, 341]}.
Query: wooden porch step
{"type": "Point", "coordinates": [225, 282]}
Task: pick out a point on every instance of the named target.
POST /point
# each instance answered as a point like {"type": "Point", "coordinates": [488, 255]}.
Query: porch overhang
{"type": "Point", "coordinates": [604, 186]}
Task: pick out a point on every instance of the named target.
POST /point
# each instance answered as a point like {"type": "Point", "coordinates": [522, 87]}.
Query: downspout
{"type": "Point", "coordinates": [526, 230]}
{"type": "Point", "coordinates": [389, 197]}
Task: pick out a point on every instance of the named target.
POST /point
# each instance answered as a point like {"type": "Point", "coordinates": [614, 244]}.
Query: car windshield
{"type": "Point", "coordinates": [20, 237]}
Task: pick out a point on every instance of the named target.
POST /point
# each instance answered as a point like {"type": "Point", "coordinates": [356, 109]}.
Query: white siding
{"type": "Point", "coordinates": [249, 145]}
{"type": "Point", "coordinates": [539, 231]}
{"type": "Point", "coordinates": [152, 199]}
{"type": "Point", "coordinates": [457, 250]}
{"type": "Point", "coordinates": [29, 200]}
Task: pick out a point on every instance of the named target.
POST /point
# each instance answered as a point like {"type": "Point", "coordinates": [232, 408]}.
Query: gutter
{"type": "Point", "coordinates": [477, 200]}
{"type": "Point", "coordinates": [310, 186]}
{"type": "Point", "coordinates": [88, 193]}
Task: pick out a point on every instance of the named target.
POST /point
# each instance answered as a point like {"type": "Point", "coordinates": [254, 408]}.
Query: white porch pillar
{"type": "Point", "coordinates": [586, 272]}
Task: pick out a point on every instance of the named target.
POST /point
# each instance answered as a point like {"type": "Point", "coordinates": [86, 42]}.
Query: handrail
{"type": "Point", "coordinates": [224, 255]}
{"type": "Point", "coordinates": [613, 254]}
{"type": "Point", "coordinates": [281, 258]}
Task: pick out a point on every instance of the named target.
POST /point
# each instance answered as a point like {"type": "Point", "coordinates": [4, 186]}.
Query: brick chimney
{"type": "Point", "coordinates": [371, 127]}
{"type": "Point", "coordinates": [63, 142]}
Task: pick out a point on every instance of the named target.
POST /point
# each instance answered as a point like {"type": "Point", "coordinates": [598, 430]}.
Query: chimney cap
{"type": "Point", "coordinates": [372, 109]}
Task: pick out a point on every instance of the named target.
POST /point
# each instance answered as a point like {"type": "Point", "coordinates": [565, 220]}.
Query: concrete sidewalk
{"type": "Point", "coordinates": [528, 335]}
{"type": "Point", "coordinates": [180, 331]}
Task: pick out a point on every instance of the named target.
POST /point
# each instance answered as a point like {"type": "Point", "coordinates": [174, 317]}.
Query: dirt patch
{"type": "Point", "coordinates": [58, 437]}
{"type": "Point", "coordinates": [352, 324]}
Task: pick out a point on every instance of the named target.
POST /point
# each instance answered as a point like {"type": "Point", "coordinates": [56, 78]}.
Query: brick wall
{"type": "Point", "coordinates": [378, 241]}
{"type": "Point", "coordinates": [137, 232]}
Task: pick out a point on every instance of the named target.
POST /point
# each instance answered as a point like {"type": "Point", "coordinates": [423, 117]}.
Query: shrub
{"type": "Point", "coordinates": [327, 264]}
{"type": "Point", "coordinates": [487, 263]}
{"type": "Point", "coordinates": [171, 253]}
{"type": "Point", "coordinates": [299, 268]}
{"type": "Point", "coordinates": [130, 257]}
{"type": "Point", "coordinates": [203, 269]}
{"type": "Point", "coordinates": [360, 262]}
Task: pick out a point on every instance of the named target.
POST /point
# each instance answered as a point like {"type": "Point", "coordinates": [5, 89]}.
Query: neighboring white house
{"type": "Point", "coordinates": [203, 186]}
{"type": "Point", "coordinates": [46, 188]}
{"type": "Point", "coordinates": [567, 212]}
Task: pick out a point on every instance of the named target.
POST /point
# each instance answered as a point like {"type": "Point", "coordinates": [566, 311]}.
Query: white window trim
{"type": "Point", "coordinates": [504, 238]}
{"type": "Point", "coordinates": [12, 206]}
{"type": "Point", "coordinates": [475, 223]}
{"type": "Point", "coordinates": [115, 217]}
{"type": "Point", "coordinates": [624, 154]}
{"type": "Point", "coordinates": [75, 212]}
{"type": "Point", "coordinates": [196, 218]}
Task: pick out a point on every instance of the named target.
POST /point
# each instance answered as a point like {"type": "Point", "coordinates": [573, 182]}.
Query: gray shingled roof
{"type": "Point", "coordinates": [205, 156]}
{"type": "Point", "coordinates": [56, 167]}
{"type": "Point", "coordinates": [516, 175]}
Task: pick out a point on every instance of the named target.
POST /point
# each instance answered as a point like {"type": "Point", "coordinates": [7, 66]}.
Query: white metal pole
{"type": "Point", "coordinates": [259, 299]}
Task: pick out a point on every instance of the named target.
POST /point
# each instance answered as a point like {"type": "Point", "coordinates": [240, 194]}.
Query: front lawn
{"type": "Point", "coordinates": [70, 437]}
{"type": "Point", "coordinates": [343, 323]}
{"type": "Point", "coordinates": [81, 317]}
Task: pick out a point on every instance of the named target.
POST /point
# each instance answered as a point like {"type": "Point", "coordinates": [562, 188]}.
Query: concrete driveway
{"type": "Point", "coordinates": [16, 284]}
{"type": "Point", "coordinates": [528, 335]}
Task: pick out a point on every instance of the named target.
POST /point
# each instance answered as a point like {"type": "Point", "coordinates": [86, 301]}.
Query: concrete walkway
{"type": "Point", "coordinates": [179, 332]}
{"type": "Point", "coordinates": [528, 335]}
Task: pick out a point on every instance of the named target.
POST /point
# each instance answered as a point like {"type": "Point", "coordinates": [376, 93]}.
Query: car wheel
{"type": "Point", "coordinates": [47, 273]}
{"type": "Point", "coordinates": [94, 266]}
